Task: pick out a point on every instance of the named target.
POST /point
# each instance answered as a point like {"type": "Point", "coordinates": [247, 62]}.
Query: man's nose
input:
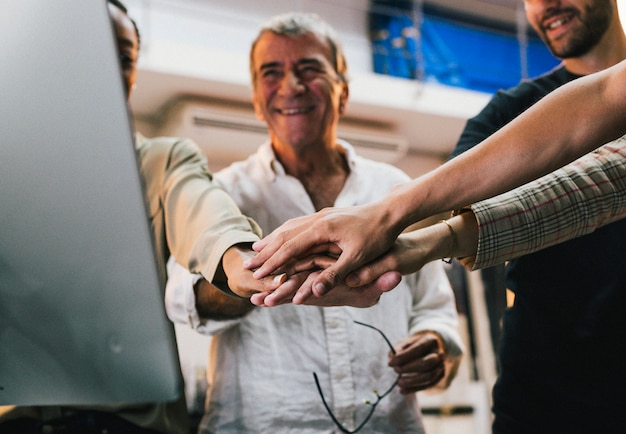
{"type": "Point", "coordinates": [292, 84]}
{"type": "Point", "coordinates": [544, 4]}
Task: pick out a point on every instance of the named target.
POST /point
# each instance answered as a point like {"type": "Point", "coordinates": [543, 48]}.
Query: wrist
{"type": "Point", "coordinates": [451, 240]}
{"type": "Point", "coordinates": [422, 246]}
{"type": "Point", "coordinates": [399, 211]}
{"type": "Point", "coordinates": [461, 239]}
{"type": "Point", "coordinates": [466, 228]}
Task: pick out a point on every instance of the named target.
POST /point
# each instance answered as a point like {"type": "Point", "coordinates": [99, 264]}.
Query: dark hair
{"type": "Point", "coordinates": [118, 4]}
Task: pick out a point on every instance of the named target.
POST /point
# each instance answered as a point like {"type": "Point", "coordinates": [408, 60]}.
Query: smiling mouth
{"type": "Point", "coordinates": [294, 111]}
{"type": "Point", "coordinates": [556, 23]}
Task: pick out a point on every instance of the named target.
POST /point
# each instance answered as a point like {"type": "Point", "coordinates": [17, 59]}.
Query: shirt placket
{"type": "Point", "coordinates": [341, 377]}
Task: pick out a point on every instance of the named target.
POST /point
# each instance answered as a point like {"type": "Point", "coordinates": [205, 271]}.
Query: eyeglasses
{"type": "Point", "coordinates": [372, 405]}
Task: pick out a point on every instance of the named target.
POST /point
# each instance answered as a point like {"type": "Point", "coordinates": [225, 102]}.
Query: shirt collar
{"type": "Point", "coordinates": [268, 159]}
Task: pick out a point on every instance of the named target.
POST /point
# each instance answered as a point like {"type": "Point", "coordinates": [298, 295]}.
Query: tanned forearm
{"type": "Point", "coordinates": [211, 303]}
{"type": "Point", "coordinates": [584, 115]}
{"type": "Point", "coordinates": [238, 285]}
{"type": "Point", "coordinates": [456, 237]}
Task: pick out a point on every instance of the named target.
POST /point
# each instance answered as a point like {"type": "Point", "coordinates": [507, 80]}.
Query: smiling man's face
{"type": "Point", "coordinates": [570, 28]}
{"type": "Point", "coordinates": [297, 91]}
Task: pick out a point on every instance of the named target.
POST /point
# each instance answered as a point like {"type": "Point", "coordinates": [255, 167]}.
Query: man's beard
{"type": "Point", "coordinates": [593, 25]}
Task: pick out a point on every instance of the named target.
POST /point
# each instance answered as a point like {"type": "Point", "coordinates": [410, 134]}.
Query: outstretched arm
{"type": "Point", "coordinates": [191, 299]}
{"type": "Point", "coordinates": [537, 142]}
{"type": "Point", "coordinates": [565, 204]}
{"type": "Point", "coordinates": [212, 302]}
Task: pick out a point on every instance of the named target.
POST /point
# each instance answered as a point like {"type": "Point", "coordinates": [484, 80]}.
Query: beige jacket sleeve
{"type": "Point", "coordinates": [191, 217]}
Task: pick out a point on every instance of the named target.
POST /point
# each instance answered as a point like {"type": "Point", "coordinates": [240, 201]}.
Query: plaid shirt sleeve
{"type": "Point", "coordinates": [568, 203]}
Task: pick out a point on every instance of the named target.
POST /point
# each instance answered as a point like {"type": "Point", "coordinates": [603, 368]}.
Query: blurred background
{"type": "Point", "coordinates": [418, 70]}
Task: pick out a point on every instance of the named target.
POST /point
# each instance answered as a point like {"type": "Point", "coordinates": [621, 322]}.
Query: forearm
{"type": "Point", "coordinates": [222, 298]}
{"type": "Point", "coordinates": [565, 204]}
{"type": "Point", "coordinates": [212, 298]}
{"type": "Point", "coordinates": [525, 149]}
{"type": "Point", "coordinates": [227, 296]}
{"type": "Point", "coordinates": [190, 299]}
{"type": "Point", "coordinates": [456, 237]}
{"type": "Point", "coordinates": [212, 303]}
{"type": "Point", "coordinates": [575, 200]}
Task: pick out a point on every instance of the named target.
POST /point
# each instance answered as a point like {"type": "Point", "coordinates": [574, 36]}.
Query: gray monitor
{"type": "Point", "coordinates": [82, 319]}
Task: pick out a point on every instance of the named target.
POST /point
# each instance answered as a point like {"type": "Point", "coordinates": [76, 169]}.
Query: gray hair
{"type": "Point", "coordinates": [297, 24]}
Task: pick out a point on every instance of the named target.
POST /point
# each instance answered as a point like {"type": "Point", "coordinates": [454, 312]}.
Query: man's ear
{"type": "Point", "coordinates": [343, 98]}
{"type": "Point", "coordinates": [257, 109]}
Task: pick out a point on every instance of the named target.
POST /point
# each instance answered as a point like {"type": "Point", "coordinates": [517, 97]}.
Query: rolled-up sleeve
{"type": "Point", "coordinates": [180, 301]}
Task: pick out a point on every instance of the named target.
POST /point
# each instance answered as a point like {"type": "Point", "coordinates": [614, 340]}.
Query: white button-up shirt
{"type": "Point", "coordinates": [261, 366]}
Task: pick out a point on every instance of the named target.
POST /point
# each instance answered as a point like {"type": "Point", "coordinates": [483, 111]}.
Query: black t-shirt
{"type": "Point", "coordinates": [569, 319]}
{"type": "Point", "coordinates": [506, 105]}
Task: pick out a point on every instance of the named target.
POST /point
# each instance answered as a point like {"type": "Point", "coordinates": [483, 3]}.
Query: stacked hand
{"type": "Point", "coordinates": [364, 227]}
